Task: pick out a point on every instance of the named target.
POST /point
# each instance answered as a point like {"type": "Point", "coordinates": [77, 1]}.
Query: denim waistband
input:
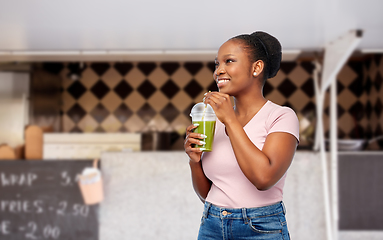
{"type": "Point", "coordinates": [243, 213]}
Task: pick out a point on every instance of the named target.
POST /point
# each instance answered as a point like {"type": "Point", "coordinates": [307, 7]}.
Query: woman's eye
{"type": "Point", "coordinates": [229, 60]}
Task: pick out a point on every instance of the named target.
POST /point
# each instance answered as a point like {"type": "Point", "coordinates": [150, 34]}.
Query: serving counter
{"type": "Point", "coordinates": [149, 195]}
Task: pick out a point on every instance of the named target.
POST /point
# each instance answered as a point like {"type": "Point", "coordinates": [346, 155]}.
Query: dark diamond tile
{"type": "Point", "coordinates": [339, 87]}
{"type": "Point", "coordinates": [76, 89]}
{"type": "Point", "coordinates": [356, 87]}
{"type": "Point", "coordinates": [99, 113]}
{"type": "Point", "coordinates": [377, 59]}
{"type": "Point", "coordinates": [340, 111]}
{"type": "Point", "coordinates": [287, 88]}
{"type": "Point", "coordinates": [211, 66]}
{"type": "Point", "coordinates": [379, 132]}
{"type": "Point", "coordinates": [308, 67]}
{"type": "Point", "coordinates": [378, 81]}
{"type": "Point", "coordinates": [76, 113]}
{"type": "Point", "coordinates": [146, 67]}
{"type": "Point", "coordinates": [174, 136]}
{"type": "Point", "coordinates": [308, 87]}
{"type": "Point", "coordinates": [146, 89]}
{"type": "Point", "coordinates": [100, 67]}
{"type": "Point", "coordinates": [193, 88]}
{"type": "Point", "coordinates": [146, 113]}
{"type": "Point", "coordinates": [357, 67]}
{"type": "Point", "coordinates": [170, 89]}
{"type": "Point", "coordinates": [75, 130]}
{"type": "Point", "coordinates": [267, 88]}
{"type": "Point", "coordinates": [368, 85]}
{"type": "Point", "coordinates": [378, 107]}
{"type": "Point", "coordinates": [123, 68]}
{"type": "Point", "coordinates": [368, 132]}
{"type": "Point", "coordinates": [309, 110]}
{"type": "Point", "coordinates": [368, 109]}
{"type": "Point", "coordinates": [193, 67]}
{"type": "Point", "coordinates": [123, 89]}
{"type": "Point", "coordinates": [169, 112]}
{"type": "Point", "coordinates": [357, 132]}
{"type": "Point", "coordinates": [99, 129]}
{"type": "Point", "coordinates": [123, 129]}
{"type": "Point", "coordinates": [75, 70]}
{"type": "Point", "coordinates": [187, 110]}
{"type": "Point", "coordinates": [357, 111]}
{"type": "Point", "coordinates": [100, 89]}
{"type": "Point", "coordinates": [53, 67]}
{"type": "Point", "coordinates": [213, 87]}
{"type": "Point", "coordinates": [287, 67]}
{"type": "Point", "coordinates": [170, 67]}
{"type": "Point", "coordinates": [123, 113]}
{"type": "Point", "coordinates": [367, 64]}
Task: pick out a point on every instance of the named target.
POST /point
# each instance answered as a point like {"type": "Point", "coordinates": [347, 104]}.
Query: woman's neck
{"type": "Point", "coordinates": [248, 105]}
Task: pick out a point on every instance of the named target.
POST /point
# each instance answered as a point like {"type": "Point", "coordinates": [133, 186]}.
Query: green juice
{"type": "Point", "coordinates": [207, 128]}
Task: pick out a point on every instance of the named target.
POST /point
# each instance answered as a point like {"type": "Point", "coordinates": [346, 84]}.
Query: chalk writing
{"type": "Point", "coordinates": [42, 201]}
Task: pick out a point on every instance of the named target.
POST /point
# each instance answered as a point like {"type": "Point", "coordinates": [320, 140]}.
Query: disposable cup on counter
{"type": "Point", "coordinates": [91, 184]}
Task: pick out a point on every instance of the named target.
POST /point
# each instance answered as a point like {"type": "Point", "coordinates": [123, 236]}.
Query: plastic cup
{"type": "Point", "coordinates": [204, 116]}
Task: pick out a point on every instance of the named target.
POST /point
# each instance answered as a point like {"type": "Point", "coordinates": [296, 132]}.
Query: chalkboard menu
{"type": "Point", "coordinates": [41, 200]}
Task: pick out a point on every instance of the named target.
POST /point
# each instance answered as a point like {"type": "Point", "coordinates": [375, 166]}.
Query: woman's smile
{"type": "Point", "coordinates": [222, 82]}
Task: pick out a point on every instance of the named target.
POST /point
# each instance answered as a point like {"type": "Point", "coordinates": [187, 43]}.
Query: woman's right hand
{"type": "Point", "coordinates": [193, 138]}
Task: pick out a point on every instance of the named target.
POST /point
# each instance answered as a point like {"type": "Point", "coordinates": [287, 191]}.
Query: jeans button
{"type": "Point", "coordinates": [224, 213]}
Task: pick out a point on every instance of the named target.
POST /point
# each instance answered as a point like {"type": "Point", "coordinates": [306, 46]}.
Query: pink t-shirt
{"type": "Point", "coordinates": [230, 187]}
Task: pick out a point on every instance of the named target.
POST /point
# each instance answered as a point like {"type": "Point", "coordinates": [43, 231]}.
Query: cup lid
{"type": "Point", "coordinates": [202, 107]}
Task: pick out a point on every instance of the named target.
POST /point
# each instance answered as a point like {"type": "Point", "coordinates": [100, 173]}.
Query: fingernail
{"type": "Point", "coordinates": [196, 124]}
{"type": "Point", "coordinates": [205, 94]}
{"type": "Point", "coordinates": [203, 136]}
{"type": "Point", "coordinates": [202, 143]}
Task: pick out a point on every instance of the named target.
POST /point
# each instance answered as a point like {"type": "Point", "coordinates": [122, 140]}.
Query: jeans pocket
{"type": "Point", "coordinates": [266, 225]}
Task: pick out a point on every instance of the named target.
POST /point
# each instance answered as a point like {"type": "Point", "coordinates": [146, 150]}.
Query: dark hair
{"type": "Point", "coordinates": [263, 46]}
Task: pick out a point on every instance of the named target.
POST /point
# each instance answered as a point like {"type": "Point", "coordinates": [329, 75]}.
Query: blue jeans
{"type": "Point", "coordinates": [264, 223]}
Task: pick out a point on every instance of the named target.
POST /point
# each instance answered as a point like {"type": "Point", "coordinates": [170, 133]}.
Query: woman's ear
{"type": "Point", "coordinates": [257, 68]}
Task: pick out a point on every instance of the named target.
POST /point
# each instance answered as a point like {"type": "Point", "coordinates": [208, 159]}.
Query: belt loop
{"type": "Point", "coordinates": [283, 207]}
{"type": "Point", "coordinates": [244, 215]}
{"type": "Point", "coordinates": [206, 210]}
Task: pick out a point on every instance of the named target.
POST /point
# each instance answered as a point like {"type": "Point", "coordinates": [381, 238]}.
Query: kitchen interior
{"type": "Point", "coordinates": [111, 91]}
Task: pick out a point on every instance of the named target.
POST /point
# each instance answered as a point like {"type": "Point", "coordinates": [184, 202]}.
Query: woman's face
{"type": "Point", "coordinates": [233, 72]}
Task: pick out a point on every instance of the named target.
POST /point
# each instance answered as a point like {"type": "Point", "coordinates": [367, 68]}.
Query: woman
{"type": "Point", "coordinates": [241, 180]}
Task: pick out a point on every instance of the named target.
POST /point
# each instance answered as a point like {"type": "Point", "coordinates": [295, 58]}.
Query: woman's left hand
{"type": "Point", "coordinates": [222, 106]}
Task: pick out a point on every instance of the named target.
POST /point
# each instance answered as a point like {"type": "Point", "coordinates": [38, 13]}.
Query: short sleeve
{"type": "Point", "coordinates": [284, 119]}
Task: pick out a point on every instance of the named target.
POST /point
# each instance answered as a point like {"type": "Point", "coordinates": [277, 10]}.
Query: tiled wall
{"type": "Point", "coordinates": [144, 96]}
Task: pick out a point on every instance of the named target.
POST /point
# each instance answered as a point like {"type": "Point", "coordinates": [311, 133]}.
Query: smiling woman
{"type": "Point", "coordinates": [241, 181]}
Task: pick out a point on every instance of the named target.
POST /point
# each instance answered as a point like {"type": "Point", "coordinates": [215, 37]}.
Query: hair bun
{"type": "Point", "coordinates": [273, 51]}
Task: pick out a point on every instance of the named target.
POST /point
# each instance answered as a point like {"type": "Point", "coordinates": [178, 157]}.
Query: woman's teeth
{"type": "Point", "coordinates": [222, 81]}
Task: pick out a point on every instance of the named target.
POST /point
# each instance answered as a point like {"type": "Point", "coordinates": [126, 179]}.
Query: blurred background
{"type": "Point", "coordinates": [79, 79]}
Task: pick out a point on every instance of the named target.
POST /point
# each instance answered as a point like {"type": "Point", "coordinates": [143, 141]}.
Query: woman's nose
{"type": "Point", "coordinates": [219, 70]}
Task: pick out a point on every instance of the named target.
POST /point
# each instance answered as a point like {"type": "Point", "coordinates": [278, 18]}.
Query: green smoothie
{"type": "Point", "coordinates": [207, 128]}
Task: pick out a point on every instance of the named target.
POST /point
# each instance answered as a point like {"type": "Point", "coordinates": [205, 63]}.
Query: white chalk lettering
{"type": "Point", "coordinates": [21, 206]}
{"type": "Point", "coordinates": [5, 227]}
{"type": "Point", "coordinates": [31, 231]}
{"type": "Point", "coordinates": [22, 179]}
